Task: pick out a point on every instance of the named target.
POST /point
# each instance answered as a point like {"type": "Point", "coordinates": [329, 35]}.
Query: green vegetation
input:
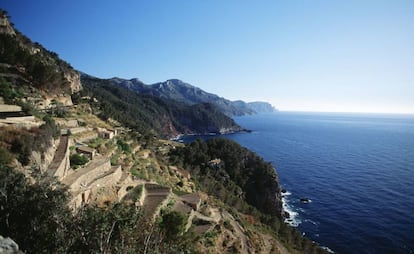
{"type": "Point", "coordinates": [173, 223]}
{"type": "Point", "coordinates": [30, 63]}
{"type": "Point", "coordinates": [22, 142]}
{"type": "Point", "coordinates": [5, 156]}
{"type": "Point", "coordinates": [9, 92]}
{"type": "Point", "coordinates": [36, 216]}
{"type": "Point", "coordinates": [41, 68]}
{"type": "Point", "coordinates": [177, 90]}
{"type": "Point", "coordinates": [58, 109]}
{"type": "Point", "coordinates": [134, 193]}
{"type": "Point", "coordinates": [14, 94]}
{"type": "Point", "coordinates": [35, 213]}
{"type": "Point", "coordinates": [95, 143]}
{"type": "Point", "coordinates": [240, 176]}
{"type": "Point", "coordinates": [77, 160]}
{"type": "Point", "coordinates": [244, 182]}
{"type": "Point", "coordinates": [148, 114]}
{"type": "Point", "coordinates": [123, 146]}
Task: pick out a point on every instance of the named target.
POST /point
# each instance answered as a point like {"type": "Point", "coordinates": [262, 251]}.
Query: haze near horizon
{"type": "Point", "coordinates": [336, 56]}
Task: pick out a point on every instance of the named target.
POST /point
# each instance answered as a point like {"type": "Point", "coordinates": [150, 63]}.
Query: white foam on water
{"type": "Point", "coordinates": [293, 219]}
{"type": "Point", "coordinates": [287, 193]}
{"type": "Point", "coordinates": [312, 222]}
{"type": "Point", "coordinates": [327, 249]}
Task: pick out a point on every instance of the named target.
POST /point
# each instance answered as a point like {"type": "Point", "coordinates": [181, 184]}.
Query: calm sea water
{"type": "Point", "coordinates": [357, 170]}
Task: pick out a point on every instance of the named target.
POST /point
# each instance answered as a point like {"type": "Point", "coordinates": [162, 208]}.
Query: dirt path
{"type": "Point", "coordinates": [239, 231]}
{"type": "Point", "coordinates": [269, 243]}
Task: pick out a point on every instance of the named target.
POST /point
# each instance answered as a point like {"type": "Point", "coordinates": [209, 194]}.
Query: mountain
{"type": "Point", "coordinates": [261, 107]}
{"type": "Point", "coordinates": [24, 63]}
{"type": "Point", "coordinates": [148, 112]}
{"type": "Point", "coordinates": [178, 90]}
{"type": "Point", "coordinates": [133, 193]}
{"type": "Point", "coordinates": [33, 76]}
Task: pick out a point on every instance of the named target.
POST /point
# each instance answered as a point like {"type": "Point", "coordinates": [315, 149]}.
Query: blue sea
{"type": "Point", "coordinates": [356, 169]}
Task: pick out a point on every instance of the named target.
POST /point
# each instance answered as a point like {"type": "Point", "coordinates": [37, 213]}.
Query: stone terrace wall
{"type": "Point", "coordinates": [61, 163]}
{"type": "Point", "coordinates": [83, 176]}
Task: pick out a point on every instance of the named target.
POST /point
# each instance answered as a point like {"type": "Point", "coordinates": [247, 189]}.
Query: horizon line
{"type": "Point", "coordinates": [346, 112]}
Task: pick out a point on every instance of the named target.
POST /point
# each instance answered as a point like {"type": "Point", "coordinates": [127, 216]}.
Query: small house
{"type": "Point", "coordinates": [87, 151]}
{"type": "Point", "coordinates": [106, 134]}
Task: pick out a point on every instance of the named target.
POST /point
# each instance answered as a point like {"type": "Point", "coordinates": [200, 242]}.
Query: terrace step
{"type": "Point", "coordinates": [83, 176]}
{"type": "Point", "coordinates": [155, 197]}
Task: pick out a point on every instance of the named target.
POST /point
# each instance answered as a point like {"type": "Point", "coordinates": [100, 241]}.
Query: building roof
{"type": "Point", "coordinates": [85, 149]}
{"type": "Point", "coordinates": [10, 108]}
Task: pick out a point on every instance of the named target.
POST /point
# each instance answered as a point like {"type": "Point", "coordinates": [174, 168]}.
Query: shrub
{"type": "Point", "coordinates": [5, 156]}
{"type": "Point", "coordinates": [173, 223]}
{"type": "Point", "coordinates": [77, 160]}
{"type": "Point", "coordinates": [34, 215]}
{"type": "Point", "coordinates": [124, 146]}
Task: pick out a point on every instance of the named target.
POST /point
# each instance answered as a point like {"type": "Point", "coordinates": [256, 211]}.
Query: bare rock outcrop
{"type": "Point", "coordinates": [8, 246]}
{"type": "Point", "coordinates": [73, 79]}
{"type": "Point", "coordinates": [5, 26]}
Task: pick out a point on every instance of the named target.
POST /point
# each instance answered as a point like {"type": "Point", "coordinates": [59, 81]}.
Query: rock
{"type": "Point", "coordinates": [286, 214]}
{"type": "Point", "coordinates": [5, 26]}
{"type": "Point", "coordinates": [305, 200]}
{"type": "Point", "coordinates": [73, 79]}
{"type": "Point", "coordinates": [8, 246]}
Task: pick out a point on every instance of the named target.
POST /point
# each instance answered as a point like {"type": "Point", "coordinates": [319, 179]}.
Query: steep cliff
{"type": "Point", "coordinates": [233, 173]}
{"type": "Point", "coordinates": [261, 107]}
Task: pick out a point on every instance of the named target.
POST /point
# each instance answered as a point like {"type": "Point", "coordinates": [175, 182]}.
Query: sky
{"type": "Point", "coordinates": [299, 55]}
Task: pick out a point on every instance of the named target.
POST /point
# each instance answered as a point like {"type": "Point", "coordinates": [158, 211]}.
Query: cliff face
{"type": "Point", "coordinates": [233, 173]}
{"type": "Point", "coordinates": [5, 26]}
{"type": "Point", "coordinates": [261, 107]}
{"type": "Point", "coordinates": [73, 79]}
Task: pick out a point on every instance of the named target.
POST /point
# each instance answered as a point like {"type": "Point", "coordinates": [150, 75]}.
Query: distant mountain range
{"type": "Point", "coordinates": [175, 89]}
{"type": "Point", "coordinates": [38, 78]}
{"type": "Point", "coordinates": [145, 112]}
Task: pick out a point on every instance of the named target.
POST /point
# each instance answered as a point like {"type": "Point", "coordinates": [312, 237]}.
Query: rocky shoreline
{"type": "Point", "coordinates": [181, 136]}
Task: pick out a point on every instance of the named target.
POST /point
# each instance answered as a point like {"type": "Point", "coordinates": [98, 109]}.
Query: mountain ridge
{"type": "Point", "coordinates": [126, 158]}
{"type": "Point", "coordinates": [165, 116]}
{"type": "Point", "coordinates": [181, 91]}
{"type": "Point", "coordinates": [28, 63]}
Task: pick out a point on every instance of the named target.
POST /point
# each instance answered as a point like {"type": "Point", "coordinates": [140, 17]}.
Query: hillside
{"type": "Point", "coordinates": [24, 64]}
{"type": "Point", "coordinates": [224, 164]}
{"type": "Point", "coordinates": [261, 107]}
{"type": "Point", "coordinates": [146, 112]}
{"type": "Point", "coordinates": [98, 176]}
{"type": "Point", "coordinates": [175, 89]}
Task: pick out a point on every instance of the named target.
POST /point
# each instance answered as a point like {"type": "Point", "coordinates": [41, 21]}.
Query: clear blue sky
{"type": "Point", "coordinates": [308, 55]}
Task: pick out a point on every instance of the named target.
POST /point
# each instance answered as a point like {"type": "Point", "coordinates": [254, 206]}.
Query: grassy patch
{"type": "Point", "coordinates": [138, 174]}
{"type": "Point", "coordinates": [179, 192]}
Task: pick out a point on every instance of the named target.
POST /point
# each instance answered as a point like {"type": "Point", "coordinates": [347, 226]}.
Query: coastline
{"type": "Point", "coordinates": [290, 216]}
{"type": "Point", "coordinates": [180, 137]}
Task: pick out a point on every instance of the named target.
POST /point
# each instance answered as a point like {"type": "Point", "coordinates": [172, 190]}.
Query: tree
{"type": "Point", "coordinates": [77, 160]}
{"type": "Point", "coordinates": [5, 156]}
{"type": "Point", "coordinates": [34, 215]}
{"type": "Point", "coordinates": [173, 223]}
{"type": "Point", "coordinates": [114, 229]}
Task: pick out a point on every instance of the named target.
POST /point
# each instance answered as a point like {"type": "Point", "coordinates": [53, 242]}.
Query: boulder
{"type": "Point", "coordinates": [305, 200]}
{"type": "Point", "coordinates": [8, 246]}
